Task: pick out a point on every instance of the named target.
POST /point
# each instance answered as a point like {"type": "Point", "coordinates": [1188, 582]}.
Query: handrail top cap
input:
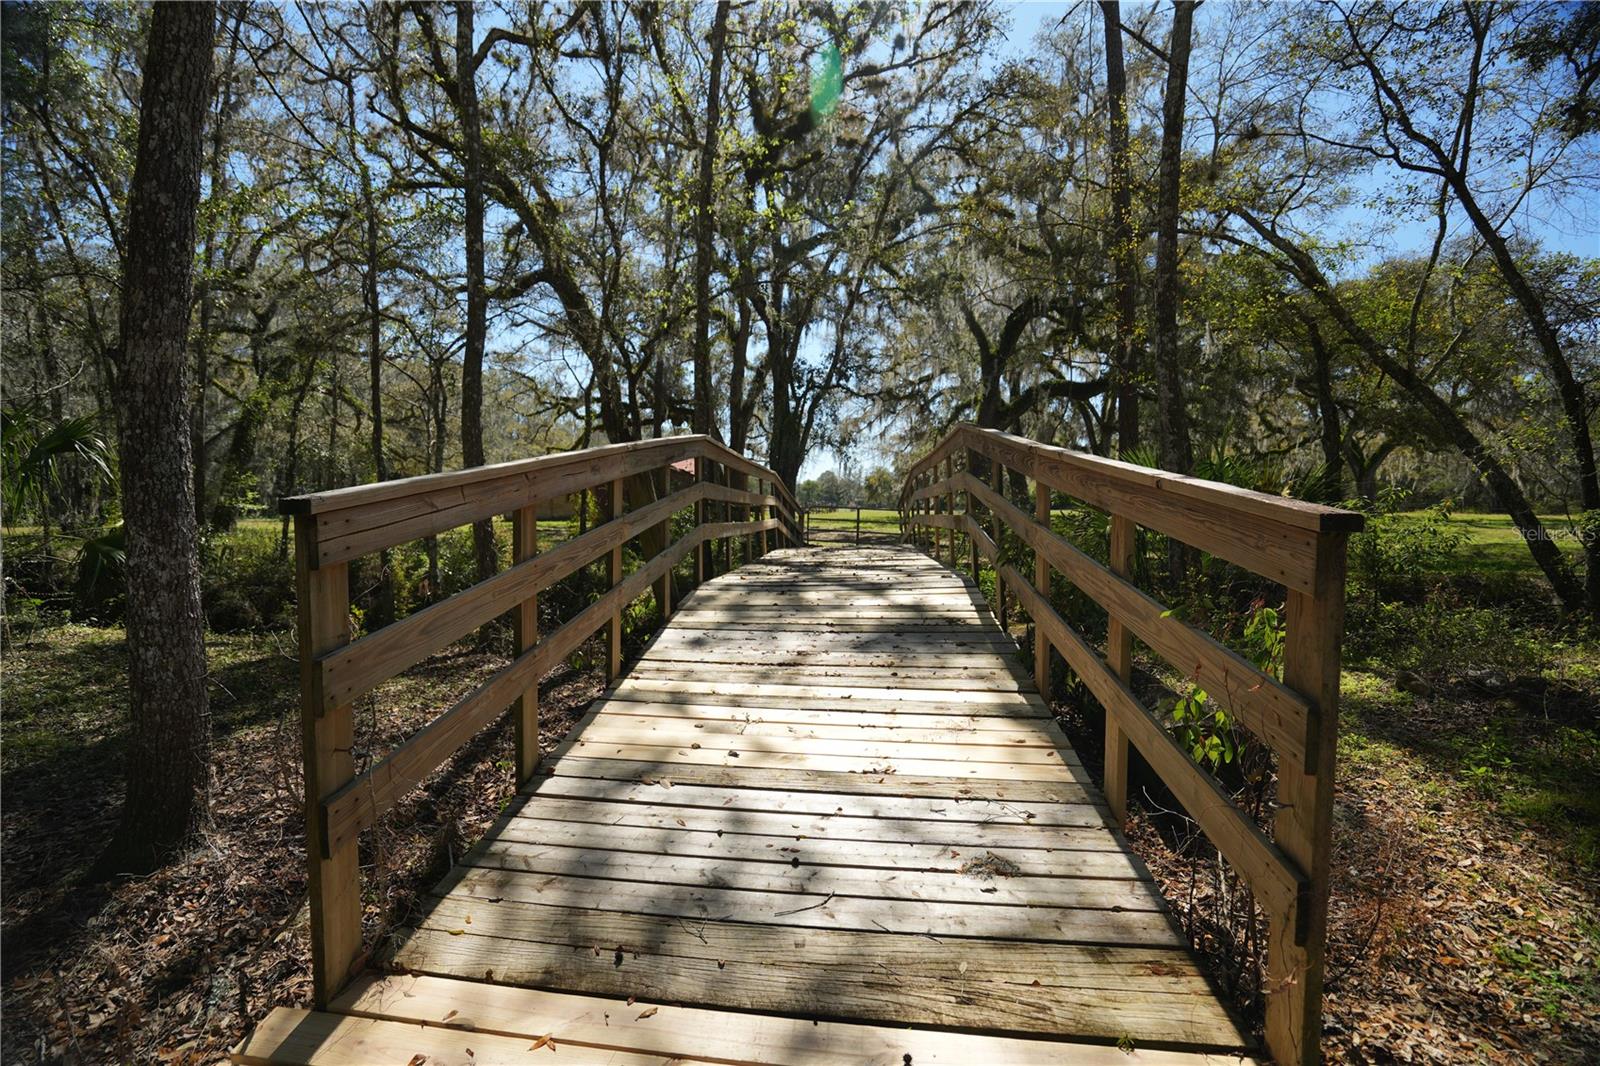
{"type": "Point", "coordinates": [1300, 513]}
{"type": "Point", "coordinates": [378, 491]}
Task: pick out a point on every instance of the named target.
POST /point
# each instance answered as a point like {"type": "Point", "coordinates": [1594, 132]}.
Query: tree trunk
{"type": "Point", "coordinates": [477, 297]}
{"type": "Point", "coordinates": [1512, 499]}
{"type": "Point", "coordinates": [383, 598]}
{"type": "Point", "coordinates": [704, 418]}
{"type": "Point", "coordinates": [1123, 244]}
{"type": "Point", "coordinates": [1331, 432]}
{"type": "Point", "coordinates": [1175, 449]}
{"type": "Point", "coordinates": [169, 740]}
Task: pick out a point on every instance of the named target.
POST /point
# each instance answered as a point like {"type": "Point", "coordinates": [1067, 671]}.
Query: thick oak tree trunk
{"type": "Point", "coordinates": [704, 418]}
{"type": "Point", "coordinates": [169, 740]}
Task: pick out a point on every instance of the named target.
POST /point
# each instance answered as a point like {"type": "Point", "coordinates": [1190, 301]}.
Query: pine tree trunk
{"type": "Point", "coordinates": [169, 741]}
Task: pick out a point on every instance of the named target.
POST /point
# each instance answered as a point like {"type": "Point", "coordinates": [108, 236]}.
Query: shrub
{"type": "Point", "coordinates": [1396, 552]}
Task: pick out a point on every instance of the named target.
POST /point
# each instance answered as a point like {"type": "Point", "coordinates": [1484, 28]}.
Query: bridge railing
{"type": "Point", "coordinates": [1298, 545]}
{"type": "Point", "coordinates": [731, 497]}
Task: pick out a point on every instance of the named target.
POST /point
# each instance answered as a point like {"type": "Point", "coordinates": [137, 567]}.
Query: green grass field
{"type": "Point", "coordinates": [843, 519]}
{"type": "Point", "coordinates": [1492, 544]}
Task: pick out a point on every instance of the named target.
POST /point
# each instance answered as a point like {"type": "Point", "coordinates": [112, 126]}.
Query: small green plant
{"type": "Point", "coordinates": [1206, 728]}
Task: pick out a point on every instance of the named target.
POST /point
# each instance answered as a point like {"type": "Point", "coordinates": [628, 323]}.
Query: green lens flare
{"type": "Point", "coordinates": [827, 79]}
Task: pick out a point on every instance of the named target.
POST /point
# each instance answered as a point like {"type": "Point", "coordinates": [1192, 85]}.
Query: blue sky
{"type": "Point", "coordinates": [1568, 226]}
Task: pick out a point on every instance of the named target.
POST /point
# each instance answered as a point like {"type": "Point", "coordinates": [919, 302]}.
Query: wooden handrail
{"type": "Point", "coordinates": [1299, 545]}
{"type": "Point", "coordinates": [331, 528]}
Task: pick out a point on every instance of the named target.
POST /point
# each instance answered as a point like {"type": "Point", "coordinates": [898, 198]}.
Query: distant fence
{"type": "Point", "coordinates": [845, 523]}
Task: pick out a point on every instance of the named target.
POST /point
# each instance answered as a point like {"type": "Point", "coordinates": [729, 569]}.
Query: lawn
{"type": "Point", "coordinates": [1492, 544]}
{"type": "Point", "coordinates": [843, 519]}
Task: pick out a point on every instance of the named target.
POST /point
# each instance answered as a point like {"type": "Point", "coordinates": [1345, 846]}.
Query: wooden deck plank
{"type": "Point", "coordinates": [718, 1036]}
{"type": "Point", "coordinates": [824, 801]}
{"type": "Point", "coordinates": [1087, 992]}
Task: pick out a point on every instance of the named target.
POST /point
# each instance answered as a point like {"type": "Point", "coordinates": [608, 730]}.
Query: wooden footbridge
{"type": "Point", "coordinates": [825, 816]}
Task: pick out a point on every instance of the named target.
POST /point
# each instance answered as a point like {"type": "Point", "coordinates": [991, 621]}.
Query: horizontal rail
{"type": "Point", "coordinates": [331, 528]}
{"type": "Point", "coordinates": [1268, 535]}
{"type": "Point", "coordinates": [1299, 545]}
{"type": "Point", "coordinates": [351, 522]}
{"type": "Point", "coordinates": [359, 804]}
{"type": "Point", "coordinates": [1282, 718]}
{"type": "Point", "coordinates": [1238, 838]}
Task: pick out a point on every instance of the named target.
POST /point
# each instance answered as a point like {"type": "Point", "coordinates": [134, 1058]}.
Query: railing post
{"type": "Point", "coordinates": [764, 511]}
{"type": "Point", "coordinates": [950, 503]}
{"type": "Point", "coordinates": [858, 525]}
{"type": "Point", "coordinates": [614, 570]}
{"type": "Point", "coordinates": [702, 552]}
{"type": "Point", "coordinates": [727, 516]}
{"type": "Point", "coordinates": [1119, 656]}
{"type": "Point", "coordinates": [333, 883]}
{"type": "Point", "coordinates": [1303, 824]}
{"type": "Point", "coordinates": [525, 712]}
{"type": "Point", "coordinates": [1041, 582]}
{"type": "Point", "coordinates": [972, 545]}
{"type": "Point", "coordinates": [997, 482]}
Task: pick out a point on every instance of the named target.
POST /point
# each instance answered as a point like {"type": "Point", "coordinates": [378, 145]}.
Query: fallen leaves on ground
{"type": "Point", "coordinates": [177, 966]}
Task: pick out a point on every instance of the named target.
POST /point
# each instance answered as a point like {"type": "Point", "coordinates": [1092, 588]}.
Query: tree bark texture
{"type": "Point", "coordinates": [1123, 244]}
{"type": "Point", "coordinates": [704, 418]}
{"type": "Point", "coordinates": [169, 740]}
{"type": "Point", "coordinates": [1174, 444]}
{"type": "Point", "coordinates": [477, 296]}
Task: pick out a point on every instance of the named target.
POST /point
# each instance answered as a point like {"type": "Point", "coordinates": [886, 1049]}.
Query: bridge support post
{"type": "Point", "coordinates": [1303, 824]}
{"type": "Point", "coordinates": [949, 506]}
{"type": "Point", "coordinates": [1119, 656]}
{"type": "Point", "coordinates": [525, 712]}
{"type": "Point", "coordinates": [614, 572]}
{"type": "Point", "coordinates": [327, 736]}
{"type": "Point", "coordinates": [764, 511]}
{"type": "Point", "coordinates": [727, 516]}
{"type": "Point", "coordinates": [972, 545]}
{"type": "Point", "coordinates": [702, 552]}
{"type": "Point", "coordinates": [997, 531]}
{"type": "Point", "coordinates": [1041, 582]}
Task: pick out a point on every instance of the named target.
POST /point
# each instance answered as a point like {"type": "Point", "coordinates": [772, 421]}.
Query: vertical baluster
{"type": "Point", "coordinates": [525, 712]}
{"type": "Point", "coordinates": [972, 516]}
{"type": "Point", "coordinates": [702, 552]}
{"type": "Point", "coordinates": [763, 512]}
{"type": "Point", "coordinates": [1041, 582]}
{"type": "Point", "coordinates": [1119, 656]}
{"type": "Point", "coordinates": [614, 569]}
{"type": "Point", "coordinates": [949, 501]}
{"type": "Point", "coordinates": [996, 530]}
{"type": "Point", "coordinates": [726, 477]}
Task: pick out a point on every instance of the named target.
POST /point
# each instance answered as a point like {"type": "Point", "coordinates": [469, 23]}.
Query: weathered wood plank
{"type": "Point", "coordinates": [828, 973]}
{"type": "Point", "coordinates": [757, 1040]}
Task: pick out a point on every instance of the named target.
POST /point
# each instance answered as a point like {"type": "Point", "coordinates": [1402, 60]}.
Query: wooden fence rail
{"type": "Point", "coordinates": [1298, 545]}
{"type": "Point", "coordinates": [331, 528]}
